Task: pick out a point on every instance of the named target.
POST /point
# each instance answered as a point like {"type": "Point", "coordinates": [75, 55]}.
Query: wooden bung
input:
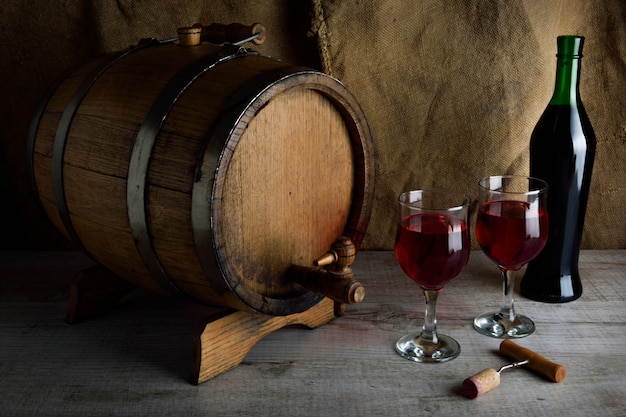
{"type": "Point", "coordinates": [536, 362]}
{"type": "Point", "coordinates": [189, 36]}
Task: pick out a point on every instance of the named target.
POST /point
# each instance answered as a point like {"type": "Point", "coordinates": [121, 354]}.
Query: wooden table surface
{"type": "Point", "coordinates": [135, 359]}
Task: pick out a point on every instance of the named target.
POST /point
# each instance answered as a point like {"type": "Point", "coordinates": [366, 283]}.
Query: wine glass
{"type": "Point", "coordinates": [432, 247]}
{"type": "Point", "coordinates": [511, 229]}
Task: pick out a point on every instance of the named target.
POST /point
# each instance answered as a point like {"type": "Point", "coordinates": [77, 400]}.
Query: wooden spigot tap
{"type": "Point", "coordinates": [335, 279]}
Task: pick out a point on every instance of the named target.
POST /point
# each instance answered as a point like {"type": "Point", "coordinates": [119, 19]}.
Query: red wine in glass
{"type": "Point", "coordinates": [432, 248]}
{"type": "Point", "coordinates": [510, 233]}
{"type": "Point", "coordinates": [511, 229]}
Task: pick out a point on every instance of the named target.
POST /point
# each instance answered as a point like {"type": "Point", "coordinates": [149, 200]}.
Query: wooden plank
{"type": "Point", "coordinates": [135, 359]}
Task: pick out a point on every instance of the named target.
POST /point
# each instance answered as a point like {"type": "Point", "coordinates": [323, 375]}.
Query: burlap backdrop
{"type": "Point", "coordinates": [451, 89]}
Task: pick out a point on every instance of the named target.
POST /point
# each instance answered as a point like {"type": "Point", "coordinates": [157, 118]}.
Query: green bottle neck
{"type": "Point", "coordinates": [567, 71]}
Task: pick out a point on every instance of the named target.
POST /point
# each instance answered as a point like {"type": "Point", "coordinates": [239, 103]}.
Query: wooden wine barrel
{"type": "Point", "coordinates": [204, 171]}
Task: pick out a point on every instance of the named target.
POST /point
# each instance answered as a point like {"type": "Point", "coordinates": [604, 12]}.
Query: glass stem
{"type": "Point", "coordinates": [429, 330]}
{"type": "Point", "coordinates": [507, 311]}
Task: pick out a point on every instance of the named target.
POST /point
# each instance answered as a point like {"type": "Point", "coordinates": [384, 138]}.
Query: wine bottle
{"type": "Point", "coordinates": [562, 151]}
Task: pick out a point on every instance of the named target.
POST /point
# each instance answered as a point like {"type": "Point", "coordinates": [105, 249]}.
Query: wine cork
{"type": "Point", "coordinates": [536, 362]}
{"type": "Point", "coordinates": [480, 383]}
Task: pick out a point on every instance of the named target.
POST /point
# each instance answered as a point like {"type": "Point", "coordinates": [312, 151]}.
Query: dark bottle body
{"type": "Point", "coordinates": [562, 151]}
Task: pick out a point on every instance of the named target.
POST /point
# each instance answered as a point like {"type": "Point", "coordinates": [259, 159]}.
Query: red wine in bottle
{"type": "Point", "coordinates": [562, 150]}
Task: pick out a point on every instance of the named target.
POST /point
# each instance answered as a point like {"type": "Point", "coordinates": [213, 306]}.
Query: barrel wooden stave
{"type": "Point", "coordinates": [42, 147]}
{"type": "Point", "coordinates": [189, 123]}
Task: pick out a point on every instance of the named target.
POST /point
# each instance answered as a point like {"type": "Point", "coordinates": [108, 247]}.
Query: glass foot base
{"type": "Point", "coordinates": [496, 325]}
{"type": "Point", "coordinates": [413, 348]}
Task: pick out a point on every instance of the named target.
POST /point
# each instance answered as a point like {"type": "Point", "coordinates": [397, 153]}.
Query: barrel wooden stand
{"type": "Point", "coordinates": [220, 342]}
